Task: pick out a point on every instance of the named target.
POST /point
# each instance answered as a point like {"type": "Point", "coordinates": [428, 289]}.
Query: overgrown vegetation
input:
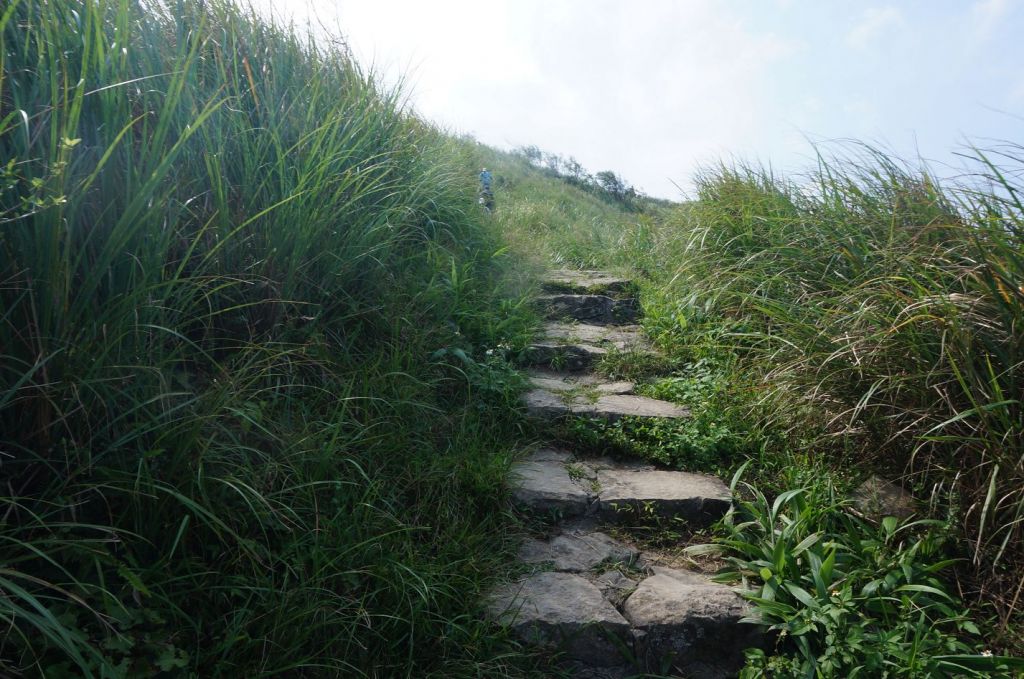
{"type": "Point", "coordinates": [846, 598]}
{"type": "Point", "coordinates": [547, 220]}
{"type": "Point", "coordinates": [863, 318]}
{"type": "Point", "coordinates": [249, 422]}
{"type": "Point", "coordinates": [878, 315]}
{"type": "Point", "coordinates": [606, 184]}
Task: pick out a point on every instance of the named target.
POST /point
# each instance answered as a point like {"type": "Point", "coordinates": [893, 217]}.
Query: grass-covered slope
{"type": "Point", "coordinates": [248, 422]}
{"type": "Point", "coordinates": [553, 218]}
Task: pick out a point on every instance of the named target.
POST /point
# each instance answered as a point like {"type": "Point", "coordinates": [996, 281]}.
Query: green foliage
{"type": "Point", "coordinates": [712, 438]}
{"type": "Point", "coordinates": [874, 316]}
{"type": "Point", "coordinates": [846, 598]}
{"type": "Point", "coordinates": [548, 221]}
{"type": "Point", "coordinates": [227, 259]}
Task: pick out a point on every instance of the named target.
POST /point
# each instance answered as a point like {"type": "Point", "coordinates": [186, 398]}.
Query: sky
{"type": "Point", "coordinates": [655, 90]}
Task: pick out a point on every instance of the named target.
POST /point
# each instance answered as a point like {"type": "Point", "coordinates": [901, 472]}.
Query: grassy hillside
{"type": "Point", "coordinates": [249, 422]}
{"type": "Point", "coordinates": [877, 316]}
{"type": "Point", "coordinates": [551, 218]}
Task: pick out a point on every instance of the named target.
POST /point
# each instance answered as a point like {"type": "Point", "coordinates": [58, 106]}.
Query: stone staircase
{"type": "Point", "coordinates": [612, 610]}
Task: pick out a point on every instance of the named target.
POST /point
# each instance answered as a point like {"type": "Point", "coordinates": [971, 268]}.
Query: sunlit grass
{"type": "Point", "coordinates": [228, 259]}
{"type": "Point", "coordinates": [876, 315]}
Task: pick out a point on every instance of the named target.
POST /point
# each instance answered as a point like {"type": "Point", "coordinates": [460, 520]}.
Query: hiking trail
{"type": "Point", "coordinates": [614, 609]}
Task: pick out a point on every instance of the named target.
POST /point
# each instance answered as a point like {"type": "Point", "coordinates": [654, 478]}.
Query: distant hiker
{"type": "Point", "coordinates": [486, 196]}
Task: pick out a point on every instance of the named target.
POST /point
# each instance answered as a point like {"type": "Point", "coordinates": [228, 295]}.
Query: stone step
{"type": "Point", "coordinates": [621, 337]}
{"type": "Point", "coordinates": [575, 347]}
{"type": "Point", "coordinates": [577, 551]}
{"type": "Point", "coordinates": [554, 481]}
{"type": "Point", "coordinates": [673, 619]}
{"type": "Point", "coordinates": [565, 612]}
{"type": "Point", "coordinates": [587, 282]}
{"type": "Point", "coordinates": [592, 309]}
{"type": "Point", "coordinates": [585, 383]}
{"type": "Point", "coordinates": [682, 620]}
{"type": "Point", "coordinates": [627, 495]}
{"type": "Point", "coordinates": [562, 356]}
{"type": "Point", "coordinates": [553, 405]}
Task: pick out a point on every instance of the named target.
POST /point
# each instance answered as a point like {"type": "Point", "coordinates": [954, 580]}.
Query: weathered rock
{"type": "Point", "coordinates": [552, 381]}
{"type": "Point", "coordinates": [545, 404]}
{"type": "Point", "coordinates": [877, 498]}
{"type": "Point", "coordinates": [587, 282]}
{"type": "Point", "coordinates": [614, 406]}
{"type": "Point", "coordinates": [621, 337]}
{"type": "Point", "coordinates": [576, 551]}
{"type": "Point", "coordinates": [564, 611]}
{"type": "Point", "coordinates": [570, 357]}
{"type": "Point", "coordinates": [698, 498]}
{"type": "Point", "coordinates": [689, 623]}
{"type": "Point", "coordinates": [597, 309]}
{"type": "Point", "coordinates": [549, 482]}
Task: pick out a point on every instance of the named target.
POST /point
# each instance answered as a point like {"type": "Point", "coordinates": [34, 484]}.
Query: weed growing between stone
{"type": "Point", "coordinates": [846, 597]}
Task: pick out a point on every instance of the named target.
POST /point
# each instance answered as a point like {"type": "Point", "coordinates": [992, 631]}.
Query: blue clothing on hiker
{"type": "Point", "coordinates": [485, 179]}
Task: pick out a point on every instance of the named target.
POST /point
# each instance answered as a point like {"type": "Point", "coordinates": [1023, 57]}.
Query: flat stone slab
{"type": "Point", "coordinates": [575, 552]}
{"type": "Point", "coordinates": [877, 498]}
{"type": "Point", "coordinates": [550, 482]}
{"type": "Point", "coordinates": [621, 337]}
{"type": "Point", "coordinates": [565, 611]}
{"type": "Point", "coordinates": [571, 357]}
{"type": "Point", "coordinates": [684, 620]}
{"type": "Point", "coordinates": [593, 282]}
{"type": "Point", "coordinates": [545, 404]}
{"type": "Point", "coordinates": [629, 494]}
{"type": "Point", "coordinates": [561, 382]}
{"type": "Point", "coordinates": [592, 309]}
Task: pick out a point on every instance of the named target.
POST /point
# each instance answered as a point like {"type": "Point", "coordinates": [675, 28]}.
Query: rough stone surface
{"type": "Point", "coordinates": [569, 280]}
{"type": "Point", "coordinates": [571, 357]}
{"type": "Point", "coordinates": [698, 498]}
{"type": "Point", "coordinates": [553, 381]}
{"type": "Point", "coordinates": [543, 484]}
{"type": "Point", "coordinates": [683, 618]}
{"type": "Point", "coordinates": [877, 498]}
{"type": "Point", "coordinates": [614, 406]}
{"type": "Point", "coordinates": [576, 551]}
{"type": "Point", "coordinates": [545, 404]}
{"type": "Point", "coordinates": [564, 611]}
{"type": "Point", "coordinates": [595, 309]}
{"type": "Point", "coordinates": [621, 337]}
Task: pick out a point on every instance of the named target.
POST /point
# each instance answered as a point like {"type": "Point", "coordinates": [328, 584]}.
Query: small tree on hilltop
{"type": "Point", "coordinates": [612, 184]}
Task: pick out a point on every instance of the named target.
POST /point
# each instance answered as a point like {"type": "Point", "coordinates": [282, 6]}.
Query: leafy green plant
{"type": "Point", "coordinates": [872, 314]}
{"type": "Point", "coordinates": [846, 598]}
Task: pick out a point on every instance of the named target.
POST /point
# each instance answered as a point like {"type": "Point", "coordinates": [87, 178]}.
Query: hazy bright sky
{"type": "Point", "coordinates": [653, 89]}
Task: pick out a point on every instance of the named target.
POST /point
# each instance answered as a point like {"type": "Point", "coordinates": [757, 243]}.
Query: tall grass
{"type": "Point", "coordinates": [227, 259]}
{"type": "Point", "coordinates": [881, 312]}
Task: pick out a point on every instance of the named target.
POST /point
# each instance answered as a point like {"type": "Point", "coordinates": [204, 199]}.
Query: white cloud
{"type": "Point", "coordinates": [874, 22]}
{"type": "Point", "coordinates": [651, 89]}
{"type": "Point", "coordinates": [642, 92]}
{"type": "Point", "coordinates": [986, 16]}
